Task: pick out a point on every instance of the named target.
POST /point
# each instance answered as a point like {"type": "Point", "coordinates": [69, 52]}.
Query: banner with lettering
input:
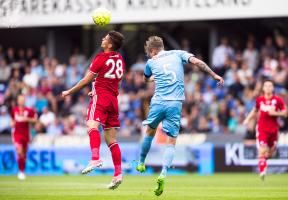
{"type": "Point", "coordinates": [71, 160]}
{"type": "Point", "coordinates": [23, 13]}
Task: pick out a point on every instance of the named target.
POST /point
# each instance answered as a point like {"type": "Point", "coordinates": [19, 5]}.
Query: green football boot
{"type": "Point", "coordinates": [141, 168]}
{"type": "Point", "coordinates": [160, 185]}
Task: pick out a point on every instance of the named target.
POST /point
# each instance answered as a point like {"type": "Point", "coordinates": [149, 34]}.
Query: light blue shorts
{"type": "Point", "coordinates": [167, 112]}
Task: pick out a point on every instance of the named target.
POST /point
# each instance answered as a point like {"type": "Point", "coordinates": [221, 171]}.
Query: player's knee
{"type": "Point", "coordinates": [110, 141]}
{"type": "Point", "coordinates": [171, 141]}
{"type": "Point", "coordinates": [20, 151]}
{"type": "Point", "coordinates": [92, 125]}
{"type": "Point", "coordinates": [263, 152]}
{"type": "Point", "coordinates": [271, 152]}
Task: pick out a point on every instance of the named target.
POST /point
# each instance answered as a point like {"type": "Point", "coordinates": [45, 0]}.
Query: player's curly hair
{"type": "Point", "coordinates": [153, 42]}
{"type": "Point", "coordinates": [117, 39]}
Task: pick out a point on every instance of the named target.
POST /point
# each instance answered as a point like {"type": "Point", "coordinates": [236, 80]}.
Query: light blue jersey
{"type": "Point", "coordinates": [167, 68]}
{"type": "Point", "coordinates": [166, 104]}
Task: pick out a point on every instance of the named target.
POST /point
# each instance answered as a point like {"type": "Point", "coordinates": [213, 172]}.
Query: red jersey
{"type": "Point", "coordinates": [109, 68]}
{"type": "Point", "coordinates": [266, 122]}
{"type": "Point", "coordinates": [21, 128]}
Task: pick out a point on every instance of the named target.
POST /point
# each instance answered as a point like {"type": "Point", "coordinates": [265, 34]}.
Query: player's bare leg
{"type": "Point", "coordinates": [95, 140]}
{"type": "Point", "coordinates": [110, 139]}
{"type": "Point", "coordinates": [272, 151]}
{"type": "Point", "coordinates": [267, 153]}
{"type": "Point", "coordinates": [262, 161]}
{"type": "Point", "coordinates": [21, 159]}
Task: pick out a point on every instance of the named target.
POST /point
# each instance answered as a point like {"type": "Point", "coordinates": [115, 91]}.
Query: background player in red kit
{"type": "Point", "coordinates": [106, 72]}
{"type": "Point", "coordinates": [270, 107]}
{"type": "Point", "coordinates": [21, 117]}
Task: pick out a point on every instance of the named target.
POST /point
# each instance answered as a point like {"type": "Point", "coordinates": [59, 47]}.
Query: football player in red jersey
{"type": "Point", "coordinates": [21, 118]}
{"type": "Point", "coordinates": [270, 107]}
{"type": "Point", "coordinates": [106, 72]}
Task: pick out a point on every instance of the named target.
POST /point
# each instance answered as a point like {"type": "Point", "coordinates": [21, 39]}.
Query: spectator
{"type": "Point", "coordinates": [36, 68]}
{"type": "Point", "coordinates": [251, 56]}
{"type": "Point", "coordinates": [79, 108]}
{"type": "Point", "coordinates": [31, 98]}
{"type": "Point", "coordinates": [55, 128]}
{"type": "Point", "coordinates": [245, 75]}
{"type": "Point", "coordinates": [5, 120]}
{"type": "Point", "coordinates": [216, 126]}
{"type": "Point", "coordinates": [269, 67]}
{"type": "Point", "coordinates": [5, 71]}
{"type": "Point", "coordinates": [30, 55]}
{"type": "Point", "coordinates": [221, 54]}
{"type": "Point", "coordinates": [74, 72]}
{"type": "Point", "coordinates": [21, 58]}
{"type": "Point", "coordinates": [47, 118]}
{"type": "Point", "coordinates": [281, 43]}
{"type": "Point", "coordinates": [268, 49]}
{"type": "Point", "coordinates": [79, 56]}
{"type": "Point", "coordinates": [203, 125]}
{"type": "Point", "coordinates": [124, 101]}
{"type": "Point", "coordinates": [185, 45]}
{"type": "Point", "coordinates": [41, 102]}
{"type": "Point", "coordinates": [231, 74]}
{"type": "Point", "coordinates": [139, 65]}
{"type": "Point", "coordinates": [10, 56]}
{"type": "Point", "coordinates": [30, 79]}
{"type": "Point", "coordinates": [1, 53]}
{"type": "Point", "coordinates": [43, 53]}
{"type": "Point", "coordinates": [232, 121]}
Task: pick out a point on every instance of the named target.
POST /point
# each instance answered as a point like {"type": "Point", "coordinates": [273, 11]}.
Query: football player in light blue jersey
{"type": "Point", "coordinates": [166, 69]}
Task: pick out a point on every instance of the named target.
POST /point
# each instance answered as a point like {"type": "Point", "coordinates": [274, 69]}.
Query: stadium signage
{"type": "Point", "coordinates": [78, 12]}
{"type": "Point", "coordinates": [239, 155]}
{"type": "Point", "coordinates": [176, 4]}
{"type": "Point", "coordinates": [71, 160]}
{"type": "Point", "coordinates": [42, 160]}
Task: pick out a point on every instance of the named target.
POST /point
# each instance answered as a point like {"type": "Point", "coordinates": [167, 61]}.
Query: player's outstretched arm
{"type": "Point", "coordinates": [205, 68]}
{"type": "Point", "coordinates": [31, 119]}
{"type": "Point", "coordinates": [88, 78]}
{"type": "Point", "coordinates": [250, 116]}
{"type": "Point", "coordinates": [281, 113]}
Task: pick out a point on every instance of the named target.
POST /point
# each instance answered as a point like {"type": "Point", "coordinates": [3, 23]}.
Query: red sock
{"type": "Point", "coordinates": [21, 158]}
{"type": "Point", "coordinates": [21, 163]}
{"type": "Point", "coordinates": [95, 141]}
{"type": "Point", "coordinates": [262, 164]}
{"type": "Point", "coordinates": [116, 157]}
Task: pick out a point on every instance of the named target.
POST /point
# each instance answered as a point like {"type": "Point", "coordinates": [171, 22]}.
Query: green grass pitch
{"type": "Point", "coordinates": [220, 186]}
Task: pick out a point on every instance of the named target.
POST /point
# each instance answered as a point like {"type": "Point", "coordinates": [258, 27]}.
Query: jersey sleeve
{"type": "Point", "coordinates": [147, 70]}
{"type": "Point", "coordinates": [96, 65]}
{"type": "Point", "coordinates": [184, 55]}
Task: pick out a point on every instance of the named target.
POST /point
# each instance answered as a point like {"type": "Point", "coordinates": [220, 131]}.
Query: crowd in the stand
{"type": "Point", "coordinates": [207, 108]}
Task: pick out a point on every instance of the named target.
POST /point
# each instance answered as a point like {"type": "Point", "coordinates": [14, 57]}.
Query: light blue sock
{"type": "Point", "coordinates": [146, 144]}
{"type": "Point", "coordinates": [167, 159]}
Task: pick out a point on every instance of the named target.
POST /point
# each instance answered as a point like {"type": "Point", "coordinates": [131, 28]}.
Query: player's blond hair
{"type": "Point", "coordinates": [153, 42]}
